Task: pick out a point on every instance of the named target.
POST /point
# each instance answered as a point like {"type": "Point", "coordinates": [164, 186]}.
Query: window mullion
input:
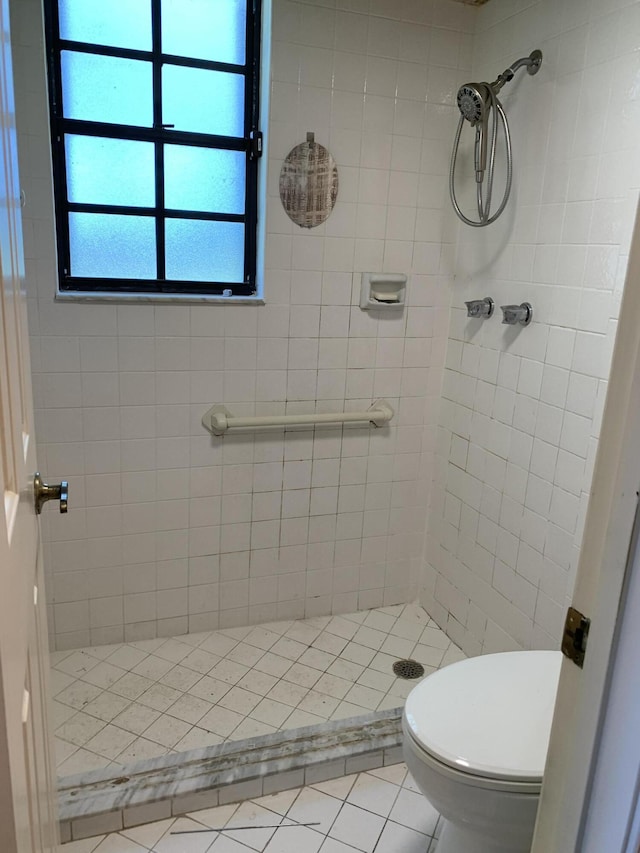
{"type": "Point", "coordinates": [156, 34]}
{"type": "Point", "coordinates": [154, 219]}
{"type": "Point", "coordinates": [252, 119]}
{"type": "Point", "coordinates": [57, 140]}
{"type": "Point", "coordinates": [149, 134]}
{"type": "Point", "coordinates": [145, 55]}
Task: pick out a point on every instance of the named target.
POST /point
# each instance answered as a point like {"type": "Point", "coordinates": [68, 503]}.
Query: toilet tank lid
{"type": "Point", "coordinates": [488, 716]}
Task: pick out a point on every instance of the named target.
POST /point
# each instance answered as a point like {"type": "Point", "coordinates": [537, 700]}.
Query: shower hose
{"type": "Point", "coordinates": [484, 200]}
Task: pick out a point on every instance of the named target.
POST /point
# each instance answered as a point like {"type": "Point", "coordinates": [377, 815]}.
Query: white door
{"type": "Point", "coordinates": [583, 694]}
{"type": "Point", "coordinates": [27, 805]}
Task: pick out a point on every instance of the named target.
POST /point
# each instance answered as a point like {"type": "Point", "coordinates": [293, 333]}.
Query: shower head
{"type": "Point", "coordinates": [479, 105]}
{"type": "Point", "coordinates": [473, 98]}
{"type": "Point", "coordinates": [472, 101]}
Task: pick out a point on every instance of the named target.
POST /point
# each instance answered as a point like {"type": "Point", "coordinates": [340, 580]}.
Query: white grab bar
{"type": "Point", "coordinates": [219, 419]}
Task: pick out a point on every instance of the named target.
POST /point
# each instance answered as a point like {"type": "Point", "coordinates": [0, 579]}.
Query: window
{"type": "Point", "coordinates": [154, 127]}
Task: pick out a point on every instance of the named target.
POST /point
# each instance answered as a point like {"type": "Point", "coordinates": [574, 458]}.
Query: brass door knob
{"type": "Point", "coordinates": [43, 492]}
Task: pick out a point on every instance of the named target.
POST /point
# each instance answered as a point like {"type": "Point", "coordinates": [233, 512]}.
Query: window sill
{"type": "Point", "coordinates": [156, 298]}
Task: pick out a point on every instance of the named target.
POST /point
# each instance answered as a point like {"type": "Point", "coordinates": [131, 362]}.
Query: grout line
{"type": "Point", "coordinates": [282, 632]}
{"type": "Point", "coordinates": [180, 783]}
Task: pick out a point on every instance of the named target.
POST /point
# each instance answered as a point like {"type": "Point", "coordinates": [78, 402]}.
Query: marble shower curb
{"type": "Point", "coordinates": [94, 803]}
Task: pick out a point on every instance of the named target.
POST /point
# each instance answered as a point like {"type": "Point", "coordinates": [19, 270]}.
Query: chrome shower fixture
{"type": "Point", "coordinates": [513, 315]}
{"type": "Point", "coordinates": [479, 105]}
{"type": "Point", "coordinates": [480, 308]}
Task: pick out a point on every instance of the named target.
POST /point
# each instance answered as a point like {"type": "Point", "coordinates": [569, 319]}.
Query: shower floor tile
{"type": "Point", "coordinates": [376, 812]}
{"type": "Point", "coordinates": [133, 701]}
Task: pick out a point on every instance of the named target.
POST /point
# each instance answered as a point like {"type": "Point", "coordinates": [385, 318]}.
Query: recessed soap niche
{"type": "Point", "coordinates": [383, 291]}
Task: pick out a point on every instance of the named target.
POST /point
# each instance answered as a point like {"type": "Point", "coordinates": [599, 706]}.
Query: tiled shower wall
{"type": "Point", "coordinates": [170, 530]}
{"type": "Point", "coordinates": [522, 406]}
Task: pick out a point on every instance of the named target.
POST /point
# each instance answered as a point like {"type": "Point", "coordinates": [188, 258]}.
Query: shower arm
{"type": "Point", "coordinates": [532, 63]}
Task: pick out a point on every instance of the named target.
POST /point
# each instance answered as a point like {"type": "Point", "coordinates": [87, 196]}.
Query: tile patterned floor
{"type": "Point", "coordinates": [127, 702]}
{"type": "Point", "coordinates": [377, 812]}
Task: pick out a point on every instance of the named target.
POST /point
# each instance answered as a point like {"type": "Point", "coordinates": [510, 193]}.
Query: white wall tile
{"type": "Point", "coordinates": [563, 255]}
{"type": "Point", "coordinates": [120, 390]}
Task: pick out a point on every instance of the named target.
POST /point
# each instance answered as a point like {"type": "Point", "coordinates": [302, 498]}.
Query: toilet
{"type": "Point", "coordinates": [475, 738]}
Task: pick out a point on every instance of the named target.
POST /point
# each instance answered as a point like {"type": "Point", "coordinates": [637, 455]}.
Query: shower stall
{"type": "Point", "coordinates": [452, 530]}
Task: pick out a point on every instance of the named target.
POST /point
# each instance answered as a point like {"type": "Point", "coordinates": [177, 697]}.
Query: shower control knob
{"type": "Point", "coordinates": [514, 314]}
{"type": "Point", "coordinates": [480, 308]}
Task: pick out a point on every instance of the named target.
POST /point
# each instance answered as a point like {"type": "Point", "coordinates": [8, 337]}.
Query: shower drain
{"type": "Point", "coordinates": [408, 668]}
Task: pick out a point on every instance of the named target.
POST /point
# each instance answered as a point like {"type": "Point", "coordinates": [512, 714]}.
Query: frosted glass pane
{"type": "Point", "coordinates": [204, 179]}
{"type": "Point", "coordinates": [205, 29]}
{"type": "Point", "coordinates": [111, 246]}
{"type": "Point", "coordinates": [203, 101]}
{"type": "Point", "coordinates": [121, 23]}
{"type": "Point", "coordinates": [105, 88]}
{"type": "Point", "coordinates": [110, 171]}
{"type": "Point", "coordinates": [204, 251]}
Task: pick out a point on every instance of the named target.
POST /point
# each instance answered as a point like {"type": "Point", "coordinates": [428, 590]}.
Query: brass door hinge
{"type": "Point", "coordinates": [574, 637]}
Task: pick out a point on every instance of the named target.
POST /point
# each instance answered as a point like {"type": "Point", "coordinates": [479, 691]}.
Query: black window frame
{"type": "Point", "coordinates": [159, 134]}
